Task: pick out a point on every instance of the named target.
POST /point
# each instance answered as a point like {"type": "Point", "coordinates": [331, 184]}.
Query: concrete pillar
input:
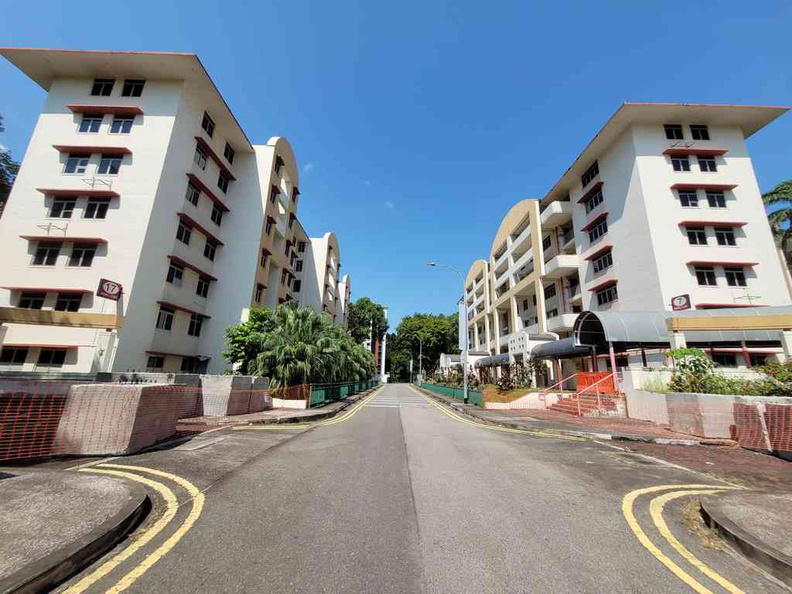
{"type": "Point", "coordinates": [476, 335]}
{"type": "Point", "coordinates": [786, 343]}
{"type": "Point", "coordinates": [515, 314]}
{"type": "Point", "coordinates": [678, 340]}
{"type": "Point", "coordinates": [541, 312]}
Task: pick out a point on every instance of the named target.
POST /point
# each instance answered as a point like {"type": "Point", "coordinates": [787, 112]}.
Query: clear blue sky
{"type": "Point", "coordinates": [418, 124]}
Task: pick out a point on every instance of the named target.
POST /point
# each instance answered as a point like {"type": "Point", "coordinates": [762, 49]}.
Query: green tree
{"type": "Point", "coordinates": [366, 318]}
{"type": "Point", "coordinates": [779, 202]}
{"type": "Point", "coordinates": [240, 350]}
{"type": "Point", "coordinates": [439, 334]}
{"type": "Point", "coordinates": [8, 171]}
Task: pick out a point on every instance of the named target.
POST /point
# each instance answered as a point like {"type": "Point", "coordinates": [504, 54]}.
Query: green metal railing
{"type": "Point", "coordinates": [474, 396]}
{"type": "Point", "coordinates": [323, 393]}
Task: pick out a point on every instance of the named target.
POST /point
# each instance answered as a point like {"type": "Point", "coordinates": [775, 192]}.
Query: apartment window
{"type": "Point", "coordinates": [525, 305]}
{"type": "Point", "coordinates": [268, 226]}
{"type": "Point", "coordinates": [222, 182]}
{"type": "Point", "coordinates": [725, 236]}
{"type": "Point", "coordinates": [187, 365]}
{"type": "Point", "coordinates": [121, 125]}
{"type": "Point", "coordinates": [133, 88]}
{"type": "Point", "coordinates": [680, 163]}
{"type": "Point", "coordinates": [757, 360]}
{"type": "Point", "coordinates": [594, 201]}
{"type": "Point", "coordinates": [102, 87]}
{"type": "Point", "coordinates": [62, 207]}
{"type": "Point", "coordinates": [598, 231]}
{"type": "Point", "coordinates": [210, 248]}
{"type": "Point", "coordinates": [46, 253]}
{"type": "Point", "coordinates": [229, 153]}
{"type": "Point", "coordinates": [13, 355]}
{"type": "Point", "coordinates": [699, 132]}
{"type": "Point", "coordinates": [552, 313]}
{"type": "Point", "coordinates": [109, 165]}
{"type": "Point", "coordinates": [607, 295]}
{"type": "Point", "coordinates": [716, 199]}
{"type": "Point", "coordinates": [296, 285]}
{"type": "Point", "coordinates": [52, 357]}
{"type": "Point", "coordinates": [705, 275]}
{"type": "Point", "coordinates": [200, 157]}
{"type": "Point", "coordinates": [97, 208]}
{"type": "Point", "coordinates": [175, 274]}
{"type": "Point", "coordinates": [196, 321]}
{"type": "Point", "coordinates": [202, 289]}
{"type": "Point", "coordinates": [274, 194]}
{"type": "Point", "coordinates": [82, 255]}
{"type": "Point", "coordinates": [208, 124]}
{"type": "Point", "coordinates": [155, 362]}
{"type": "Point", "coordinates": [90, 124]}
{"type": "Point", "coordinates": [550, 291]}
{"type": "Point", "coordinates": [165, 318]}
{"type": "Point", "coordinates": [604, 262]}
{"type": "Point", "coordinates": [301, 246]}
{"type": "Point", "coordinates": [673, 131]}
{"type": "Point", "coordinates": [193, 194]}
{"type": "Point", "coordinates": [735, 276]}
{"type": "Point", "coordinates": [707, 163]}
{"type": "Point", "coordinates": [68, 302]}
{"type": "Point", "coordinates": [278, 165]}
{"type": "Point", "coordinates": [217, 215]}
{"type": "Point", "coordinates": [263, 259]}
{"type": "Point", "coordinates": [183, 233]}
{"type": "Point", "coordinates": [696, 235]}
{"type": "Point", "coordinates": [546, 243]}
{"type": "Point", "coordinates": [298, 266]}
{"type": "Point", "coordinates": [590, 174]}
{"type": "Point", "coordinates": [259, 293]}
{"type": "Point", "coordinates": [534, 300]}
{"type": "Point", "coordinates": [31, 300]}
{"type": "Point", "coordinates": [76, 164]}
{"type": "Point", "coordinates": [724, 359]}
{"type": "Point", "coordinates": [688, 198]}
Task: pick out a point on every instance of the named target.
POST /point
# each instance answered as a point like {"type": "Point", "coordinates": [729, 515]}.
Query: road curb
{"type": "Point", "coordinates": [768, 558]}
{"type": "Point", "coordinates": [46, 573]}
{"type": "Point", "coordinates": [321, 416]}
{"type": "Point", "coordinates": [569, 433]}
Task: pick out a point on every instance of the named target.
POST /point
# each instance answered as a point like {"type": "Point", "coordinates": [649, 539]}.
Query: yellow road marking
{"type": "Point", "coordinates": [292, 426]}
{"type": "Point", "coordinates": [627, 509]}
{"type": "Point", "coordinates": [197, 506]}
{"type": "Point", "coordinates": [656, 511]}
{"type": "Point", "coordinates": [145, 536]}
{"type": "Point", "coordinates": [461, 419]}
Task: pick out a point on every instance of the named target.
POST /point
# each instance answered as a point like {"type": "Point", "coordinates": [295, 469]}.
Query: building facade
{"type": "Point", "coordinates": [137, 173]}
{"type": "Point", "coordinates": [662, 205]}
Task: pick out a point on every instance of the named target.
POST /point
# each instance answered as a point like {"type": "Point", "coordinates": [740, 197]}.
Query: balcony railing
{"type": "Point", "coordinates": [568, 236]}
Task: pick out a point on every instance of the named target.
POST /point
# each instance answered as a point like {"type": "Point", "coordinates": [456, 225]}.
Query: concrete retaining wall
{"type": "Point", "coordinates": [530, 401]}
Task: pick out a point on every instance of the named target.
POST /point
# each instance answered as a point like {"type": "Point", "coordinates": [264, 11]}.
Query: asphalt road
{"type": "Point", "coordinates": [402, 498]}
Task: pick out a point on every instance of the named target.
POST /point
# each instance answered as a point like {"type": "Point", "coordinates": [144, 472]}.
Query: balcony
{"type": "Point", "coordinates": [562, 265]}
{"type": "Point", "coordinates": [573, 293]}
{"type": "Point", "coordinates": [567, 239]}
{"type": "Point", "coordinates": [555, 214]}
{"type": "Point", "coordinates": [562, 323]}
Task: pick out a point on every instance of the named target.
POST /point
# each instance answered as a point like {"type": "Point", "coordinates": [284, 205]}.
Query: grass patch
{"type": "Point", "coordinates": [493, 394]}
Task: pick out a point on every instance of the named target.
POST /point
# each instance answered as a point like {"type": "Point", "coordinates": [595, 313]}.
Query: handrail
{"type": "Point", "coordinates": [599, 381]}
{"type": "Point", "coordinates": [546, 390]}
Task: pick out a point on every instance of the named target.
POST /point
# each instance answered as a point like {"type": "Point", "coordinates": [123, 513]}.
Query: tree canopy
{"type": "Point", "coordinates": [293, 346]}
{"type": "Point", "coordinates": [779, 202]}
{"type": "Point", "coordinates": [439, 334]}
{"type": "Point", "coordinates": [366, 318]}
{"type": "Point", "coordinates": [8, 171]}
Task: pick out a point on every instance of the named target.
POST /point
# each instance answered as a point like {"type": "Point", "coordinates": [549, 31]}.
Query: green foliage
{"type": "Point", "coordinates": [8, 171]}
{"type": "Point", "coordinates": [366, 318]}
{"type": "Point", "coordinates": [437, 332]}
{"type": "Point", "coordinates": [779, 202]}
{"type": "Point", "coordinates": [293, 346]}
{"type": "Point", "coordinates": [695, 372]}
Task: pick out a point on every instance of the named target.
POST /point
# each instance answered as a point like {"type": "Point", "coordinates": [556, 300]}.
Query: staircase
{"type": "Point", "coordinates": [588, 405]}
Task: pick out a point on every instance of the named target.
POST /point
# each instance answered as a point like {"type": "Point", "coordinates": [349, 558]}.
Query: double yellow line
{"type": "Point", "coordinates": [145, 536]}
{"type": "Point", "coordinates": [457, 417]}
{"type": "Point", "coordinates": [293, 426]}
{"type": "Point", "coordinates": [656, 507]}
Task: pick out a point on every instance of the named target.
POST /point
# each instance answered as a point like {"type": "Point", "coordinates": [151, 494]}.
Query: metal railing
{"type": "Point", "coordinates": [323, 393]}
{"type": "Point", "coordinates": [474, 396]}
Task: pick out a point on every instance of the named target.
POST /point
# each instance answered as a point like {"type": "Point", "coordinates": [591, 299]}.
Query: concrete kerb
{"type": "Point", "coordinates": [319, 415]}
{"type": "Point", "coordinates": [761, 553]}
{"type": "Point", "coordinates": [470, 413]}
{"type": "Point", "coordinates": [46, 573]}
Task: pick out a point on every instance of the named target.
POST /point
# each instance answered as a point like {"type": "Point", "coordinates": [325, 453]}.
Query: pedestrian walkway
{"type": "Point", "coordinates": [398, 399]}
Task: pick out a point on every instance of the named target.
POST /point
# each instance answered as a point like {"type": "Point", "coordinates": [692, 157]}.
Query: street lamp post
{"type": "Point", "coordinates": [464, 338]}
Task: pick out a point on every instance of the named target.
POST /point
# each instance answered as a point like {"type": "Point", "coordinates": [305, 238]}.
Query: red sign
{"type": "Point", "coordinates": [680, 302]}
{"type": "Point", "coordinates": [109, 289]}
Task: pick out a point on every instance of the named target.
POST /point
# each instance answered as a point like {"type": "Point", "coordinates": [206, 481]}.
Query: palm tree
{"type": "Point", "coordinates": [780, 198]}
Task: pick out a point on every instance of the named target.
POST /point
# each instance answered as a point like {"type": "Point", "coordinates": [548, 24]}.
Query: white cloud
{"type": "Point", "coordinates": [308, 167]}
{"type": "Point", "coordinates": [3, 147]}
{"type": "Point", "coordinates": [390, 204]}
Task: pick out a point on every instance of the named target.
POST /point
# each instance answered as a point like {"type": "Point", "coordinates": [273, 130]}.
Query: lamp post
{"type": "Point", "coordinates": [464, 338]}
{"type": "Point", "coordinates": [420, 355]}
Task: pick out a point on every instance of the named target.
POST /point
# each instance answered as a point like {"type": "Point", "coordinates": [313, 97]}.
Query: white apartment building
{"type": "Point", "coordinates": [662, 203]}
{"type": "Point", "coordinates": [138, 173]}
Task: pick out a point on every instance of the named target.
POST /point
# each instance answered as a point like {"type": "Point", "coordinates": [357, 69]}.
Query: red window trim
{"type": "Point", "coordinates": [119, 110]}
{"type": "Point", "coordinates": [48, 290]}
{"type": "Point", "coordinates": [190, 221]}
{"type": "Point", "coordinates": [177, 307]}
{"type": "Point", "coordinates": [675, 151]}
{"type": "Point", "coordinates": [712, 263]}
{"type": "Point", "coordinates": [689, 186]}
{"type": "Point", "coordinates": [89, 193]}
{"type": "Point", "coordinates": [215, 157]}
{"type": "Point", "coordinates": [202, 186]}
{"type": "Point", "coordinates": [713, 223]}
{"type": "Point", "coordinates": [105, 150]}
{"type": "Point", "coordinates": [726, 305]}
{"type": "Point", "coordinates": [600, 252]}
{"type": "Point", "coordinates": [604, 284]}
{"type": "Point", "coordinates": [593, 222]}
{"type": "Point", "coordinates": [63, 239]}
{"type": "Point", "coordinates": [192, 267]}
{"type": "Point", "coordinates": [587, 196]}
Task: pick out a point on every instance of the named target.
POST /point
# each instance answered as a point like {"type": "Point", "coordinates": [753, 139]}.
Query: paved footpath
{"type": "Point", "coordinates": [400, 495]}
